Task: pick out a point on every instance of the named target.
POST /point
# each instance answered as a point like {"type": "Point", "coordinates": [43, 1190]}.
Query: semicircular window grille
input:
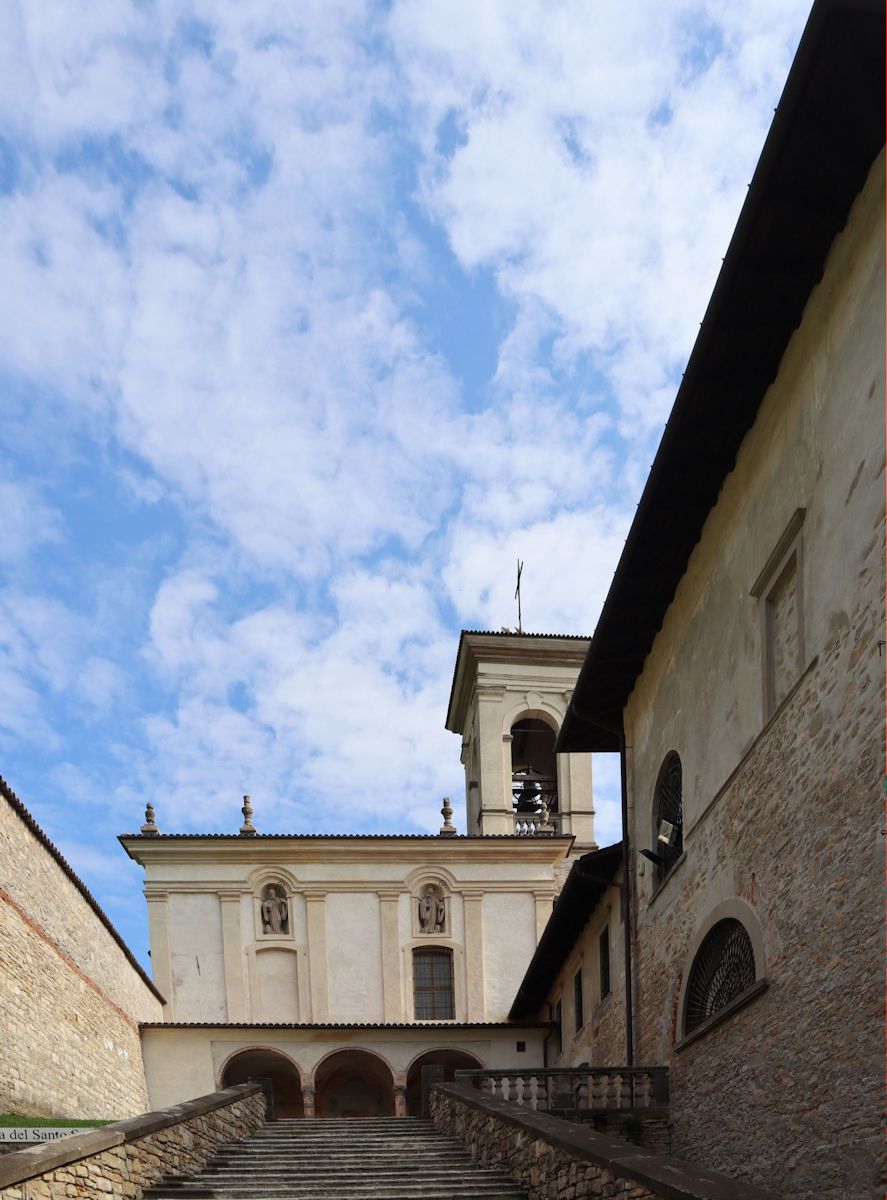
{"type": "Point", "coordinates": [723, 968]}
{"type": "Point", "coordinates": [669, 806]}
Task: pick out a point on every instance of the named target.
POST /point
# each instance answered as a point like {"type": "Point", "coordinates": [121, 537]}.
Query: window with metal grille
{"type": "Point", "coordinates": [433, 985]}
{"type": "Point", "coordinates": [668, 815]}
{"type": "Point", "coordinates": [722, 969]}
{"type": "Point", "coordinates": [578, 1000]}
{"type": "Point", "coordinates": [603, 947]}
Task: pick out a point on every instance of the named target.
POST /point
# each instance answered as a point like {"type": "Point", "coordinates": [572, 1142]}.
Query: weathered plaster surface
{"type": "Point", "coordinates": [781, 812]}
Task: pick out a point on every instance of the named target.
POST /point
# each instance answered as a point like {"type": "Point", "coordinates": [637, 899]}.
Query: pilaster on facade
{"type": "Point", "coordinates": [317, 957]}
{"type": "Point", "coordinates": [232, 952]}
{"type": "Point", "coordinates": [474, 955]}
{"type": "Point", "coordinates": [158, 935]}
{"type": "Point", "coordinates": [392, 986]}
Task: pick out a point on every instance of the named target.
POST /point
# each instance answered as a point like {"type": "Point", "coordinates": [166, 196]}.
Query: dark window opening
{"type": "Point", "coordinates": [521, 1047]}
{"type": "Point", "coordinates": [723, 968]}
{"type": "Point", "coordinates": [433, 985]}
{"type": "Point", "coordinates": [533, 770]}
{"type": "Point", "coordinates": [604, 961]}
{"type": "Point", "coordinates": [668, 816]}
{"type": "Point", "coordinates": [557, 1036]}
{"type": "Point", "coordinates": [578, 1005]}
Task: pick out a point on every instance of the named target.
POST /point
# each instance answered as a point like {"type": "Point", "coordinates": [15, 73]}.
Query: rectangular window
{"type": "Point", "coordinates": [780, 590]}
{"type": "Point", "coordinates": [433, 985]}
{"type": "Point", "coordinates": [578, 1006]}
{"type": "Point", "coordinates": [557, 1041]}
{"type": "Point", "coordinates": [604, 961]}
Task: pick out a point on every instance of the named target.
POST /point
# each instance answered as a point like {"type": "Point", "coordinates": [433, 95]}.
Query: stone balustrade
{"type": "Point", "coordinates": [553, 1159]}
{"type": "Point", "coordinates": [589, 1090]}
{"type": "Point", "coordinates": [127, 1157]}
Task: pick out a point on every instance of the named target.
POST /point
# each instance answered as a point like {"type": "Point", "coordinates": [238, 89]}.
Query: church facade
{"type": "Point", "coordinates": [340, 965]}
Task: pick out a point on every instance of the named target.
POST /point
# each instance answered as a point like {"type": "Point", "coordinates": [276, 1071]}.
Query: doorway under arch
{"type": "Point", "coordinates": [451, 1061]}
{"type": "Point", "coordinates": [353, 1083]}
{"type": "Point", "coordinates": [286, 1083]}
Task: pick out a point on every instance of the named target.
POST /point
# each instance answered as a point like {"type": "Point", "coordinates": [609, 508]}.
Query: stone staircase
{"type": "Point", "coordinates": [347, 1158]}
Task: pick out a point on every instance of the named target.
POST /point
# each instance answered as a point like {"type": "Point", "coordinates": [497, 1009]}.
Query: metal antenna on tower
{"type": "Point", "coordinates": [520, 567]}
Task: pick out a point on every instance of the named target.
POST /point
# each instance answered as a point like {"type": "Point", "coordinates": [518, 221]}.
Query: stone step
{"type": "Point", "coordinates": [334, 1191]}
{"type": "Point", "coordinates": [377, 1158]}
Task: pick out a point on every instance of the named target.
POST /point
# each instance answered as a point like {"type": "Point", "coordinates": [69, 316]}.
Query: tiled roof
{"type": "Point", "coordinates": [25, 817]}
{"type": "Point", "coordinates": [340, 837]}
{"type": "Point", "coordinates": [457, 1025]}
{"type": "Point", "coordinates": [827, 132]}
{"type": "Point", "coordinates": [573, 637]}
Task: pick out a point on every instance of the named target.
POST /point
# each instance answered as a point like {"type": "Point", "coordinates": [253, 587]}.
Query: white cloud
{"type": "Point", "coordinates": [211, 257]}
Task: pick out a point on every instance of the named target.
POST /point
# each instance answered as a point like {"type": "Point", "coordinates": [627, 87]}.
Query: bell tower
{"type": "Point", "coordinates": [510, 694]}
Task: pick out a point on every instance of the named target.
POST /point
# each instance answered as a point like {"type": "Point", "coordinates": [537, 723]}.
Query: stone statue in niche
{"type": "Point", "coordinates": [432, 911]}
{"type": "Point", "coordinates": [275, 909]}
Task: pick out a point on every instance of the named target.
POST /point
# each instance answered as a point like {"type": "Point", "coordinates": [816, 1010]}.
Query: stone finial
{"type": "Point", "coordinates": [448, 829]}
{"type": "Point", "coordinates": [247, 829]}
{"type": "Point", "coordinates": [149, 828]}
{"type": "Point", "coordinates": [544, 825]}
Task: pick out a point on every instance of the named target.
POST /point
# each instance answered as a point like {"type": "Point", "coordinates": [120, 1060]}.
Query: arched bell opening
{"type": "Point", "coordinates": [451, 1061]}
{"type": "Point", "coordinates": [354, 1083]}
{"type": "Point", "coordinates": [286, 1083]}
{"type": "Point", "coordinates": [533, 770]}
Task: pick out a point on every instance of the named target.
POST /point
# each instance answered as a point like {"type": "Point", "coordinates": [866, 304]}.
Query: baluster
{"type": "Point", "coordinates": [599, 1089]}
{"type": "Point", "coordinates": [533, 1092]}
{"type": "Point", "coordinates": [625, 1090]}
{"type": "Point", "coordinates": [521, 1090]}
{"type": "Point", "coordinates": [583, 1091]}
{"type": "Point", "coordinates": [612, 1094]}
{"type": "Point", "coordinates": [505, 1087]}
{"type": "Point", "coordinates": [490, 1084]}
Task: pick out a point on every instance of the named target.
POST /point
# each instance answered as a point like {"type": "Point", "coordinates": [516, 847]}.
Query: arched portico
{"type": "Point", "coordinates": [354, 1083]}
{"type": "Point", "coordinates": [451, 1061]}
{"type": "Point", "coordinates": [261, 1063]}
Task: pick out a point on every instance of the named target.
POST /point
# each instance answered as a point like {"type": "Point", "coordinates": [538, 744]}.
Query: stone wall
{"type": "Point", "coordinates": [783, 810]}
{"type": "Point", "coordinates": [71, 994]}
{"type": "Point", "coordinates": [126, 1158]}
{"type": "Point", "coordinates": [554, 1159]}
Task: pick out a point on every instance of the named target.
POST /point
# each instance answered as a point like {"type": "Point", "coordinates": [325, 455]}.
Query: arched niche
{"type": "Point", "coordinates": [259, 1062]}
{"type": "Point", "coordinates": [353, 1083]}
{"type": "Point", "coordinates": [431, 907]}
{"type": "Point", "coordinates": [450, 1059]}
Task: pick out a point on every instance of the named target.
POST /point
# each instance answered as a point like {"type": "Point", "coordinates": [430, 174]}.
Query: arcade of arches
{"type": "Point", "coordinates": [348, 1083]}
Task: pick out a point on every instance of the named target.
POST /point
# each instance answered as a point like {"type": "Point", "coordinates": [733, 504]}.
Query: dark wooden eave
{"type": "Point", "coordinates": [827, 132]}
{"type": "Point", "coordinates": [589, 878]}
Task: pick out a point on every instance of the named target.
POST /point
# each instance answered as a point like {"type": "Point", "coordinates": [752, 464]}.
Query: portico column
{"type": "Point", "coordinates": [317, 965]}
{"type": "Point", "coordinates": [400, 1099]}
{"type": "Point", "coordinates": [308, 1099]}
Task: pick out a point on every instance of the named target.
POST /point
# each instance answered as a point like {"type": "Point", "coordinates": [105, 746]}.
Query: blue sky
{"type": "Point", "coordinates": [314, 318]}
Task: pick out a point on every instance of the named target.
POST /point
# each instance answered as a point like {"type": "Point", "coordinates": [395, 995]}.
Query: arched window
{"type": "Point", "coordinates": [724, 967]}
{"type": "Point", "coordinates": [433, 985]}
{"type": "Point", "coordinates": [668, 815]}
{"type": "Point", "coordinates": [533, 770]}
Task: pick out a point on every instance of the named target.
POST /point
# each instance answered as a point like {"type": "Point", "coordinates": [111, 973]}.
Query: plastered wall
{"type": "Point", "coordinates": [782, 809]}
